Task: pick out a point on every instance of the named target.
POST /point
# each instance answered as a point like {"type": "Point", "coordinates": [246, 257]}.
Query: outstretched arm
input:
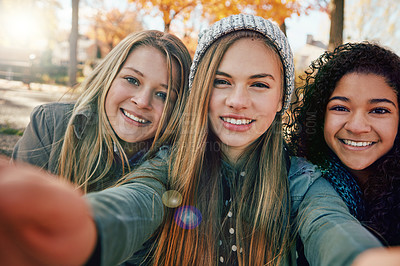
{"type": "Point", "coordinates": [43, 221]}
{"type": "Point", "coordinates": [379, 256]}
{"type": "Point", "coordinates": [331, 236]}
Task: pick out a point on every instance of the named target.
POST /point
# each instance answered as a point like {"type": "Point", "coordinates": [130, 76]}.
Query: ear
{"type": "Point", "coordinates": [279, 107]}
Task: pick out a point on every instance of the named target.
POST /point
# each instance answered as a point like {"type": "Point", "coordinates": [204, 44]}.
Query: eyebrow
{"type": "Point", "coordinates": [135, 70]}
{"type": "Point", "coordinates": [141, 74]}
{"type": "Point", "coordinates": [262, 75]}
{"type": "Point", "coordinates": [383, 100]}
{"type": "Point", "coordinates": [373, 101]}
{"type": "Point", "coordinates": [341, 98]}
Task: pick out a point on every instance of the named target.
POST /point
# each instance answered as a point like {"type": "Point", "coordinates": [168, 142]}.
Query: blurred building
{"type": "Point", "coordinates": [86, 52]}
{"type": "Point", "coordinates": [307, 53]}
{"type": "Point", "coordinates": [16, 63]}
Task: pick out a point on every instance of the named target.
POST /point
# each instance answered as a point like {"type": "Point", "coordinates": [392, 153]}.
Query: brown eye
{"type": "Point", "coordinates": [260, 85]}
{"type": "Point", "coordinates": [380, 110]}
{"type": "Point", "coordinates": [339, 108]}
{"type": "Point", "coordinates": [220, 82]}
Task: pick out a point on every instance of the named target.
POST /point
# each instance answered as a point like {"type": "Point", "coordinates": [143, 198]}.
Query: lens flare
{"type": "Point", "coordinates": [172, 198]}
{"type": "Point", "coordinates": [187, 217]}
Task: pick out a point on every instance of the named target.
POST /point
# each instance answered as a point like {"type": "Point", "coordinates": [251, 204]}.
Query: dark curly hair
{"type": "Point", "coordinates": [305, 128]}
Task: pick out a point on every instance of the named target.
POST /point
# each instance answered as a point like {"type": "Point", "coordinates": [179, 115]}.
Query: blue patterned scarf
{"type": "Point", "coordinates": [345, 185]}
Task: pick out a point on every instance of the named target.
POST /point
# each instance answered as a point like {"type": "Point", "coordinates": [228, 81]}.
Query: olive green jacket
{"type": "Point", "coordinates": [41, 142]}
{"type": "Point", "coordinates": [127, 216]}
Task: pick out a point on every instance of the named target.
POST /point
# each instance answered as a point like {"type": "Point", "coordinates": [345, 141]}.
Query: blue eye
{"type": "Point", "coordinates": [162, 95]}
{"type": "Point", "coordinates": [133, 81]}
{"type": "Point", "coordinates": [380, 111]}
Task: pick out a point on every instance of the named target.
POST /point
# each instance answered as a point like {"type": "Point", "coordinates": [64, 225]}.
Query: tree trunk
{"type": "Point", "coordinates": [283, 27]}
{"type": "Point", "coordinates": [73, 43]}
{"type": "Point", "coordinates": [166, 27]}
{"type": "Point", "coordinates": [337, 23]}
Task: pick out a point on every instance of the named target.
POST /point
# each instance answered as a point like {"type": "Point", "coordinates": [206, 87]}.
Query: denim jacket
{"type": "Point", "coordinates": [128, 215]}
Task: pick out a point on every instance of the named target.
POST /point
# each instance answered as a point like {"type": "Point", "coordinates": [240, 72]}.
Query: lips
{"type": "Point", "coordinates": [235, 121]}
{"type": "Point", "coordinates": [357, 143]}
{"type": "Point", "coordinates": [135, 118]}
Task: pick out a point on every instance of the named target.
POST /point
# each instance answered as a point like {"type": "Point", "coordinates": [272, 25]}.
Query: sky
{"type": "Point", "coordinates": [316, 23]}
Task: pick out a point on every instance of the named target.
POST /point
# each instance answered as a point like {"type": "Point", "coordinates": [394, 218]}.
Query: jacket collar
{"type": "Point", "coordinates": [83, 118]}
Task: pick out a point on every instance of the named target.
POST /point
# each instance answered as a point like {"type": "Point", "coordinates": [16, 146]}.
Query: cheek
{"type": "Point", "coordinates": [214, 104]}
{"type": "Point", "coordinates": [327, 136]}
{"type": "Point", "coordinates": [108, 104]}
{"type": "Point", "coordinates": [213, 116]}
{"type": "Point", "coordinates": [113, 95]}
{"type": "Point", "coordinates": [389, 132]}
{"type": "Point", "coordinates": [267, 107]}
{"type": "Point", "coordinates": [158, 110]}
{"type": "Point", "coordinates": [330, 129]}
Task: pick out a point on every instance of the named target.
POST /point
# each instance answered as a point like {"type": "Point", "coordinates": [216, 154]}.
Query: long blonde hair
{"type": "Point", "coordinates": [262, 198]}
{"type": "Point", "coordinates": [87, 160]}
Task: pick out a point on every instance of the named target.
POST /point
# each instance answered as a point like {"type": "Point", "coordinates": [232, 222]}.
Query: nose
{"type": "Point", "coordinates": [142, 98]}
{"type": "Point", "coordinates": [238, 98]}
{"type": "Point", "coordinates": [358, 123]}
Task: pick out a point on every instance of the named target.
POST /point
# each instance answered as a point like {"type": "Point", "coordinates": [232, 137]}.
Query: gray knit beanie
{"type": "Point", "coordinates": [254, 23]}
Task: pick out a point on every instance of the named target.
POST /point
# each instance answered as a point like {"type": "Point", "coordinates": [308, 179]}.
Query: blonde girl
{"type": "Point", "coordinates": [131, 98]}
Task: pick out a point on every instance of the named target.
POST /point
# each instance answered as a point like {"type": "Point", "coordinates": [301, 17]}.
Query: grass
{"type": "Point", "coordinates": [6, 129]}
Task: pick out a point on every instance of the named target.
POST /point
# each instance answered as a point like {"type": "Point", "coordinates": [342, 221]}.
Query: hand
{"type": "Point", "coordinates": [379, 256]}
{"type": "Point", "coordinates": [43, 221]}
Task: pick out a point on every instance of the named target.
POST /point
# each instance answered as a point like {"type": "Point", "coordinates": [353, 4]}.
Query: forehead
{"type": "Point", "coordinates": [151, 60]}
{"type": "Point", "coordinates": [140, 55]}
{"type": "Point", "coordinates": [362, 87]}
{"type": "Point", "coordinates": [251, 55]}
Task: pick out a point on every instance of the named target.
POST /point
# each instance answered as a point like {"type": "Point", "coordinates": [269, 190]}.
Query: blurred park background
{"type": "Point", "coordinates": [48, 46]}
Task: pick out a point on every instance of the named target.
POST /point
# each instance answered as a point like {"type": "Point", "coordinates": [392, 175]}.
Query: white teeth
{"type": "Point", "coordinates": [357, 143]}
{"type": "Point", "coordinates": [237, 121]}
{"type": "Point", "coordinates": [137, 119]}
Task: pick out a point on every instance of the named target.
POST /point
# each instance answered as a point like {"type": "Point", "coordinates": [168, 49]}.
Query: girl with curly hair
{"type": "Point", "coordinates": [346, 120]}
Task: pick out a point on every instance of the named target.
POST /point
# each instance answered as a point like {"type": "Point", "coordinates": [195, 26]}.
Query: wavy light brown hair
{"type": "Point", "coordinates": [89, 159]}
{"type": "Point", "coordinates": [261, 199]}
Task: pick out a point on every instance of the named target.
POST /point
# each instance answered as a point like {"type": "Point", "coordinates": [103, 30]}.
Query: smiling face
{"type": "Point", "coordinates": [136, 98]}
{"type": "Point", "coordinates": [246, 96]}
{"type": "Point", "coordinates": [361, 121]}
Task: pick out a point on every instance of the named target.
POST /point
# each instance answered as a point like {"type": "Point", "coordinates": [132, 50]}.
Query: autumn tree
{"type": "Point", "coordinates": [169, 9]}
{"type": "Point", "coordinates": [109, 28]}
{"type": "Point", "coordinates": [277, 10]}
{"type": "Point", "coordinates": [213, 10]}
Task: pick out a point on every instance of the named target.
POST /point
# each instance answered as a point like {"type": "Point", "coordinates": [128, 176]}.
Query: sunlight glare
{"type": "Point", "coordinates": [23, 27]}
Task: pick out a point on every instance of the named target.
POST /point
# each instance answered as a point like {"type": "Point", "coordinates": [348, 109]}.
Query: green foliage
{"type": "Point", "coordinates": [6, 129]}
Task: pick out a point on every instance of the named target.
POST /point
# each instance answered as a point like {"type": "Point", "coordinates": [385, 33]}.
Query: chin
{"type": "Point", "coordinates": [357, 167]}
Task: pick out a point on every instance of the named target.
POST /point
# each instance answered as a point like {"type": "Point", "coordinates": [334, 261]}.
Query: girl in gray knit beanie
{"type": "Point", "coordinates": [238, 185]}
